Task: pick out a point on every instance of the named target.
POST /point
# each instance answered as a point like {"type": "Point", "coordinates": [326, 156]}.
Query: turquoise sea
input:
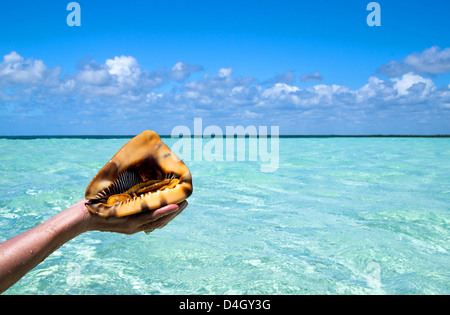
{"type": "Point", "coordinates": [338, 216]}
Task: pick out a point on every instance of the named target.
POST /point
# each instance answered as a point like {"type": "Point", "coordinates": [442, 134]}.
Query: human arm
{"type": "Point", "coordinates": [25, 251]}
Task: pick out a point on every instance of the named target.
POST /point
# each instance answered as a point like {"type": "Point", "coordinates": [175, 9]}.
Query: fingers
{"type": "Point", "coordinates": [158, 213]}
{"type": "Point", "coordinates": [146, 221]}
{"type": "Point", "coordinates": [163, 220]}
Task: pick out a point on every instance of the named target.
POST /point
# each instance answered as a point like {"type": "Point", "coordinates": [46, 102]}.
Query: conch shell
{"type": "Point", "coordinates": [143, 175]}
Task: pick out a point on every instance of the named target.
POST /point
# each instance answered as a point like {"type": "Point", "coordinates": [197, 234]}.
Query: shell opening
{"type": "Point", "coordinates": [130, 186]}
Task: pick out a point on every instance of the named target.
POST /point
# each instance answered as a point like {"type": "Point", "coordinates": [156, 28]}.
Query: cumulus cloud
{"type": "Point", "coordinates": [279, 89]}
{"type": "Point", "coordinates": [280, 92]}
{"type": "Point", "coordinates": [221, 90]}
{"type": "Point", "coordinates": [118, 76]}
{"type": "Point", "coordinates": [91, 73]}
{"type": "Point", "coordinates": [412, 82]}
{"type": "Point", "coordinates": [15, 70]}
{"type": "Point", "coordinates": [124, 69]}
{"type": "Point", "coordinates": [433, 60]}
{"type": "Point", "coordinates": [94, 76]}
{"type": "Point", "coordinates": [123, 77]}
{"type": "Point", "coordinates": [120, 91]}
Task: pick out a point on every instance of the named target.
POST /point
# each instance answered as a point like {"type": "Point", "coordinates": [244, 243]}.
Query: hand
{"type": "Point", "coordinates": [146, 221]}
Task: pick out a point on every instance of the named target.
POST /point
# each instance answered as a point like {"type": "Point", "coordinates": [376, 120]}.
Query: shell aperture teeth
{"type": "Point", "coordinates": [139, 190]}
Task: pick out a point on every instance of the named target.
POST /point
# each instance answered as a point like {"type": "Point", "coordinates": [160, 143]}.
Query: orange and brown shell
{"type": "Point", "coordinates": [143, 175]}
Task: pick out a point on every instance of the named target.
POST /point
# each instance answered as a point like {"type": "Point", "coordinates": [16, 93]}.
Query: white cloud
{"type": "Point", "coordinates": [278, 90]}
{"type": "Point", "coordinates": [121, 88]}
{"type": "Point", "coordinates": [329, 90]}
{"type": "Point", "coordinates": [124, 69]}
{"type": "Point", "coordinates": [12, 57]}
{"type": "Point", "coordinates": [94, 76]}
{"type": "Point", "coordinates": [15, 70]}
{"type": "Point", "coordinates": [433, 60]}
{"type": "Point", "coordinates": [119, 76]}
{"type": "Point", "coordinates": [279, 93]}
{"type": "Point", "coordinates": [371, 89]}
{"type": "Point", "coordinates": [225, 73]}
{"type": "Point", "coordinates": [407, 81]}
{"type": "Point", "coordinates": [122, 76]}
{"type": "Point", "coordinates": [408, 88]}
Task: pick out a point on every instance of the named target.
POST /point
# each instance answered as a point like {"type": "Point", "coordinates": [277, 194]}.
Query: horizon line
{"type": "Point", "coordinates": [25, 137]}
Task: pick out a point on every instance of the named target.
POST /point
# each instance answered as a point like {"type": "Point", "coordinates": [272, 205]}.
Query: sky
{"type": "Point", "coordinates": [309, 67]}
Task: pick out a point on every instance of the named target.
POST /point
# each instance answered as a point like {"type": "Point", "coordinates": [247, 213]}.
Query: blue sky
{"type": "Point", "coordinates": [310, 67]}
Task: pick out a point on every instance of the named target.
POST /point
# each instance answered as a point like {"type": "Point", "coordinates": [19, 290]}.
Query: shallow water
{"type": "Point", "coordinates": [338, 216]}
